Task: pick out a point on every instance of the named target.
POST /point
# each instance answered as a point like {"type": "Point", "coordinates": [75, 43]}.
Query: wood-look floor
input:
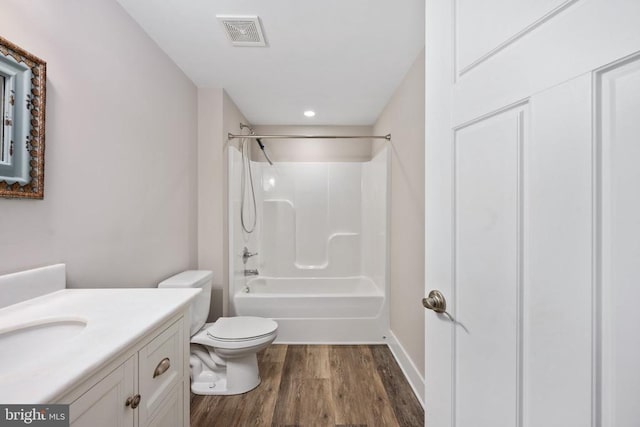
{"type": "Point", "coordinates": [318, 385]}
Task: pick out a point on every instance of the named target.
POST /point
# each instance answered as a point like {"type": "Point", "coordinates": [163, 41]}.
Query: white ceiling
{"type": "Point", "coordinates": [341, 58]}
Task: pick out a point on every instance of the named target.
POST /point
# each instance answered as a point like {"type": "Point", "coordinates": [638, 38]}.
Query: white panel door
{"type": "Point", "coordinates": [487, 270]}
{"type": "Point", "coordinates": [533, 212]}
{"type": "Point", "coordinates": [618, 126]}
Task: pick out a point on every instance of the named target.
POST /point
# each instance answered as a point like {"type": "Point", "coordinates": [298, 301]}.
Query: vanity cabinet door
{"type": "Point", "coordinates": [161, 370]}
{"type": "Point", "coordinates": [103, 405]}
{"type": "Point", "coordinates": [170, 413]}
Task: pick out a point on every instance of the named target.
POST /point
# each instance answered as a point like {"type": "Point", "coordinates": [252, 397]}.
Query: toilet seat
{"type": "Point", "coordinates": [241, 329]}
{"type": "Point", "coordinates": [249, 332]}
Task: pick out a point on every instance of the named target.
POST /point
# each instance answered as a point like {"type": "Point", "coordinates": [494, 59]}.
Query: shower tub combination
{"type": "Point", "coordinates": [317, 310]}
{"type": "Point", "coordinates": [320, 233]}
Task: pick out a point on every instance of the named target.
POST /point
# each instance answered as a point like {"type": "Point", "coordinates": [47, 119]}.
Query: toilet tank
{"type": "Point", "coordinates": [200, 305]}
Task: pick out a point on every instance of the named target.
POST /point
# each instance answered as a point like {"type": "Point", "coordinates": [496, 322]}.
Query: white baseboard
{"type": "Point", "coordinates": [416, 381]}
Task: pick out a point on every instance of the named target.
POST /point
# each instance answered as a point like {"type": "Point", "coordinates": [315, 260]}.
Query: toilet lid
{"type": "Point", "coordinates": [241, 328]}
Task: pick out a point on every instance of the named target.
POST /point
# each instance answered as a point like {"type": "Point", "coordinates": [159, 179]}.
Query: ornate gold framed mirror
{"type": "Point", "coordinates": [23, 80]}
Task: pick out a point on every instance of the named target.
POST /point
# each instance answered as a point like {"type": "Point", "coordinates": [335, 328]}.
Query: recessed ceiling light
{"type": "Point", "coordinates": [309, 113]}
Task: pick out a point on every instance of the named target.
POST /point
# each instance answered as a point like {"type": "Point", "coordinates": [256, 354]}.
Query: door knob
{"type": "Point", "coordinates": [435, 301]}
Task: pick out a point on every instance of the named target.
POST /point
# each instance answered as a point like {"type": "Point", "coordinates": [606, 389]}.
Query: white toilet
{"type": "Point", "coordinates": [223, 354]}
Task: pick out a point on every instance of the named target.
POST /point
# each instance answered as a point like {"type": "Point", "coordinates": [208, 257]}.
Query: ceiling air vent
{"type": "Point", "coordinates": [243, 30]}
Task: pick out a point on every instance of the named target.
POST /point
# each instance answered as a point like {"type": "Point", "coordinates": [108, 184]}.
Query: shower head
{"type": "Point", "coordinates": [266, 156]}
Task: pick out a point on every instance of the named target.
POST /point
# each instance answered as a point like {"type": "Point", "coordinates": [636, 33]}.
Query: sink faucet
{"type": "Point", "coordinates": [251, 272]}
{"type": "Point", "coordinates": [246, 254]}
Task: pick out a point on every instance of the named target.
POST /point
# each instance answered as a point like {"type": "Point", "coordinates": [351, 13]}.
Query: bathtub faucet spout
{"type": "Point", "coordinates": [251, 272]}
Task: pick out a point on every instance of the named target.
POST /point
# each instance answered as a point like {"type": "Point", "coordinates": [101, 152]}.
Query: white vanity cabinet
{"type": "Point", "coordinates": [146, 385]}
{"type": "Point", "coordinates": [119, 357]}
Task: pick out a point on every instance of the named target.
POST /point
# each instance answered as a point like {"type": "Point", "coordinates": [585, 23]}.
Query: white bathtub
{"type": "Point", "coordinates": [316, 310]}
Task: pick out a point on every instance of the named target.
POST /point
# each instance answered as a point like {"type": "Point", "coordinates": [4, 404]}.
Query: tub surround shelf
{"type": "Point", "coordinates": [116, 319]}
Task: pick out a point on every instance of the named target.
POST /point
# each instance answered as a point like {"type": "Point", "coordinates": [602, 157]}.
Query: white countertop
{"type": "Point", "coordinates": [116, 319]}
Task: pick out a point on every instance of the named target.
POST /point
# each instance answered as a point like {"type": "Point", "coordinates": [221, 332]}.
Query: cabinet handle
{"type": "Point", "coordinates": [133, 401]}
{"type": "Point", "coordinates": [162, 367]}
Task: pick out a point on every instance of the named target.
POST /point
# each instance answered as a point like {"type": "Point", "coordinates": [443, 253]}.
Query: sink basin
{"type": "Point", "coordinates": [22, 345]}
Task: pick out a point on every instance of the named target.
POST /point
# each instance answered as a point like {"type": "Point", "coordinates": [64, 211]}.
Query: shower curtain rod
{"type": "Point", "coordinates": [387, 137]}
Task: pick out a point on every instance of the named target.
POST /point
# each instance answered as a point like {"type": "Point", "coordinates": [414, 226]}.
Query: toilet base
{"type": "Point", "coordinates": [240, 375]}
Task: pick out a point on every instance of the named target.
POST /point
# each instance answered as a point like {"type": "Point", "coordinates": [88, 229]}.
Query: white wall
{"type": "Point", "coordinates": [314, 150]}
{"type": "Point", "coordinates": [211, 192]}
{"type": "Point", "coordinates": [120, 163]}
{"type": "Point", "coordinates": [217, 116]}
{"type": "Point", "coordinates": [403, 117]}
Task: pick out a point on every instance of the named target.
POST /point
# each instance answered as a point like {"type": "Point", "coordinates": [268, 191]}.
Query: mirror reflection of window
{"type": "Point", "coordinates": [3, 154]}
